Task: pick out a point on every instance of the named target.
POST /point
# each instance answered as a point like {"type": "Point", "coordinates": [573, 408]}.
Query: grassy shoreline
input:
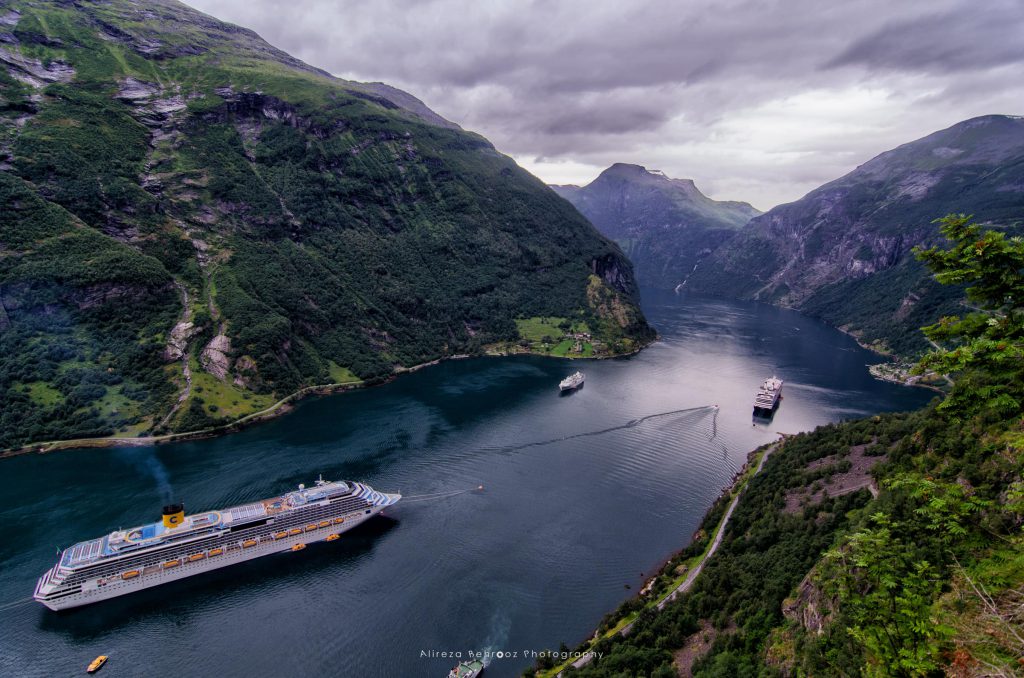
{"type": "Point", "coordinates": [279, 408]}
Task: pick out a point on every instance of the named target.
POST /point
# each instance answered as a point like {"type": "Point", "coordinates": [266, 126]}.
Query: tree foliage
{"type": "Point", "coordinates": [984, 348]}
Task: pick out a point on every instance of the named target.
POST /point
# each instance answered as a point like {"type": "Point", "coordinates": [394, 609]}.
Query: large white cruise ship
{"type": "Point", "coordinates": [181, 546]}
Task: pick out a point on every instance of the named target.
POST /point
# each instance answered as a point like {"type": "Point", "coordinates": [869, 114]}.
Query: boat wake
{"type": "Point", "coordinates": [632, 423]}
{"type": "Point", "coordinates": [440, 495]}
{"type": "Point", "coordinates": [13, 604]}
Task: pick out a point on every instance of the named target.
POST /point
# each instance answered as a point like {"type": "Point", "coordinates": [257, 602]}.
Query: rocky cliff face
{"type": "Point", "coordinates": [843, 252]}
{"type": "Point", "coordinates": [193, 222]}
{"type": "Point", "coordinates": [666, 226]}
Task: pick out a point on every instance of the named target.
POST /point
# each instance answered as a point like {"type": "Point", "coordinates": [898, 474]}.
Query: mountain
{"type": "Point", "coordinates": [194, 224]}
{"type": "Point", "coordinates": [843, 251]}
{"type": "Point", "coordinates": [665, 226]}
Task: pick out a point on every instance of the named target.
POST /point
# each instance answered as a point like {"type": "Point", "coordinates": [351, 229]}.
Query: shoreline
{"type": "Point", "coordinates": [685, 581]}
{"type": "Point", "coordinates": [278, 409]}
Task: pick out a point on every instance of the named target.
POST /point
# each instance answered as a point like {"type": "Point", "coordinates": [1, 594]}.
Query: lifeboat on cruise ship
{"type": "Point", "coordinates": [171, 563]}
{"type": "Point", "coordinates": [311, 527]}
{"type": "Point", "coordinates": [332, 537]}
{"type": "Point", "coordinates": [281, 535]}
{"type": "Point", "coordinates": [248, 543]}
{"type": "Point", "coordinates": [216, 552]}
{"type": "Point", "coordinates": [130, 574]}
{"type": "Point", "coordinates": [298, 547]}
{"type": "Point", "coordinates": [324, 523]}
{"type": "Point", "coordinates": [196, 556]}
{"type": "Point", "coordinates": [339, 521]}
{"type": "Point", "coordinates": [295, 530]}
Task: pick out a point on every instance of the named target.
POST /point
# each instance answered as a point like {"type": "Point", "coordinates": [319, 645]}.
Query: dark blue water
{"type": "Point", "coordinates": [584, 494]}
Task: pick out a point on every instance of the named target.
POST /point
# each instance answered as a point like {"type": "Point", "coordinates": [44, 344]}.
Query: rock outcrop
{"type": "Point", "coordinates": [215, 357]}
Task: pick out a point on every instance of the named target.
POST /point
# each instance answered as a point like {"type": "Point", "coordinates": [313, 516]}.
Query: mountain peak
{"type": "Point", "coordinates": [630, 171]}
{"type": "Point", "coordinates": [665, 225]}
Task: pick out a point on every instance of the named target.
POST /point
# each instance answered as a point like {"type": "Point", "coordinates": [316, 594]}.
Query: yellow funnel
{"type": "Point", "coordinates": [174, 516]}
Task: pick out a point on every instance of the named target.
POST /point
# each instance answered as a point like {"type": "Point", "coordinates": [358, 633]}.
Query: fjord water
{"type": "Point", "coordinates": [584, 495]}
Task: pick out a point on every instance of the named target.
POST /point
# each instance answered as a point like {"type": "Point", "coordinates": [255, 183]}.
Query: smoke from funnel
{"type": "Point", "coordinates": [146, 462]}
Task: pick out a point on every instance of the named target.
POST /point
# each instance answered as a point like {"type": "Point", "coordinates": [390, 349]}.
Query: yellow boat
{"type": "Point", "coordinates": [248, 542]}
{"type": "Point", "coordinates": [216, 552]}
{"type": "Point", "coordinates": [281, 535]}
{"type": "Point", "coordinates": [97, 664]}
{"type": "Point", "coordinates": [295, 530]}
{"type": "Point", "coordinates": [333, 537]}
{"type": "Point", "coordinates": [195, 556]}
{"type": "Point", "coordinates": [171, 563]}
{"type": "Point", "coordinates": [130, 574]}
{"type": "Point", "coordinates": [298, 547]}
{"type": "Point", "coordinates": [310, 528]}
{"type": "Point", "coordinates": [339, 521]}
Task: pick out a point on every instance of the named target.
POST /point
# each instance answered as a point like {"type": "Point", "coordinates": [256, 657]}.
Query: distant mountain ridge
{"type": "Point", "coordinates": [666, 226]}
{"type": "Point", "coordinates": [843, 251]}
{"type": "Point", "coordinates": [194, 224]}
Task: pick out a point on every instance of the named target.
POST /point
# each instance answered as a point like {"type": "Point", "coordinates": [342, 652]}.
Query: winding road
{"type": "Point", "coordinates": [685, 585]}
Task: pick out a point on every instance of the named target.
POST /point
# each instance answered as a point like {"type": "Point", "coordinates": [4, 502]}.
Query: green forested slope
{"type": "Point", "coordinates": [189, 212]}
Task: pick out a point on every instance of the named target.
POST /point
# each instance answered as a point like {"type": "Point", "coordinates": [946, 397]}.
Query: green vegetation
{"type": "Point", "coordinates": [552, 335]}
{"type": "Point", "coordinates": [220, 401]}
{"type": "Point", "coordinates": [885, 311]}
{"type": "Point", "coordinates": [323, 233]}
{"type": "Point", "coordinates": [925, 577]}
{"type": "Point", "coordinates": [342, 375]}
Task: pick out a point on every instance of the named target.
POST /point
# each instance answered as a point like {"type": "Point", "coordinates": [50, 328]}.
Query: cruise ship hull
{"type": "Point", "coordinates": [92, 592]}
{"type": "Point", "coordinates": [54, 591]}
{"type": "Point", "coordinates": [767, 410]}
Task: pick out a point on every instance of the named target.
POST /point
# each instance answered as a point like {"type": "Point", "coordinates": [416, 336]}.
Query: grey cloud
{"type": "Point", "coordinates": [972, 36]}
{"type": "Point", "coordinates": [709, 89]}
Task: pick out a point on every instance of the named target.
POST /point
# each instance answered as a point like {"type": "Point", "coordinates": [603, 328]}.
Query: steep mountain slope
{"type": "Point", "coordinates": [842, 251]}
{"type": "Point", "coordinates": [193, 224]}
{"type": "Point", "coordinates": [666, 226]}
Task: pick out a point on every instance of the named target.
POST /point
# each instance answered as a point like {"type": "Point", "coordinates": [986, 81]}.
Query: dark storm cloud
{"type": "Point", "coordinates": [974, 36]}
{"type": "Point", "coordinates": [763, 98]}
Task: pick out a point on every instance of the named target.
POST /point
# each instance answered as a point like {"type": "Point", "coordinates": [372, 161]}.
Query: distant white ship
{"type": "Point", "coordinates": [573, 381]}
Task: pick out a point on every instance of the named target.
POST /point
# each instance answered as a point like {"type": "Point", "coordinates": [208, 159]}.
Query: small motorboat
{"type": "Point", "coordinates": [470, 669]}
{"type": "Point", "coordinates": [298, 547]}
{"type": "Point", "coordinates": [97, 664]}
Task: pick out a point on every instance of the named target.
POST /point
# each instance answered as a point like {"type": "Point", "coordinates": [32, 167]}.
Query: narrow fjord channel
{"type": "Point", "coordinates": [583, 496]}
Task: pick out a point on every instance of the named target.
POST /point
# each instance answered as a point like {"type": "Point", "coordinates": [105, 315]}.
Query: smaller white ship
{"type": "Point", "coordinates": [572, 382]}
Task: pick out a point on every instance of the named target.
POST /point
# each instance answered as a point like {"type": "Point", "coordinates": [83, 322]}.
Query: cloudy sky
{"type": "Point", "coordinates": [757, 100]}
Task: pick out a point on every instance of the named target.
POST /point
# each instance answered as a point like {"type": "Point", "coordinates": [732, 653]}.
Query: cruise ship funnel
{"type": "Point", "coordinates": [174, 515]}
